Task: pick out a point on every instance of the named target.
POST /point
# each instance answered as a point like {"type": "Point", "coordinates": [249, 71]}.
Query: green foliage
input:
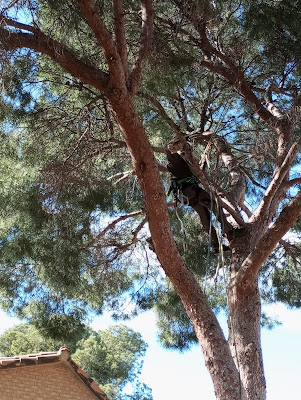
{"type": "Point", "coordinates": [112, 357]}
{"type": "Point", "coordinates": [66, 174]}
{"type": "Point", "coordinates": [275, 24]}
{"type": "Point", "coordinates": [27, 339]}
{"type": "Point", "coordinates": [287, 283]}
{"type": "Point", "coordinates": [269, 322]}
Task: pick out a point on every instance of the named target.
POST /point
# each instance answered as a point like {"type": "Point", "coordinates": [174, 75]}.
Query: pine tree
{"type": "Point", "coordinates": [96, 96]}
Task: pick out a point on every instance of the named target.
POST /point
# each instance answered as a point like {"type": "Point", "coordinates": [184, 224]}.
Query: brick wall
{"type": "Point", "coordinates": [42, 382]}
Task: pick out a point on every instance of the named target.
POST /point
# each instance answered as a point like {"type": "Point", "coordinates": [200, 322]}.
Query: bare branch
{"type": "Point", "coordinates": [289, 248]}
{"type": "Point", "coordinates": [184, 115]}
{"type": "Point", "coordinates": [245, 209]}
{"type": "Point", "coordinates": [12, 23]}
{"type": "Point", "coordinates": [245, 89]}
{"type": "Point", "coordinates": [269, 103]}
{"type": "Point", "coordinates": [105, 40]}
{"type": "Point", "coordinates": [276, 89]}
{"type": "Point", "coordinates": [162, 112]}
{"type": "Point", "coordinates": [38, 41]}
{"type": "Point", "coordinates": [251, 178]}
{"type": "Point", "coordinates": [147, 16]}
{"type": "Point", "coordinates": [158, 149]}
{"type": "Point", "coordinates": [138, 229]}
{"type": "Point", "coordinates": [111, 226]}
{"type": "Point", "coordinates": [120, 35]}
{"type": "Point", "coordinates": [13, 3]}
{"type": "Point", "coordinates": [237, 183]}
{"type": "Point", "coordinates": [247, 274]}
{"type": "Point", "coordinates": [288, 184]}
{"type": "Point", "coordinates": [122, 248]}
{"type": "Point", "coordinates": [121, 176]}
{"type": "Point", "coordinates": [204, 115]}
{"type": "Point", "coordinates": [279, 174]}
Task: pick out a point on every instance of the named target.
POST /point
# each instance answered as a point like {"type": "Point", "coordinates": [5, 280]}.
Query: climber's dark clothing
{"type": "Point", "coordinates": [177, 166]}
{"type": "Point", "coordinates": [185, 184]}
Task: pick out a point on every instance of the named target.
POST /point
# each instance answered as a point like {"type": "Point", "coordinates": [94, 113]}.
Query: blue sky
{"type": "Point", "coordinates": [174, 375]}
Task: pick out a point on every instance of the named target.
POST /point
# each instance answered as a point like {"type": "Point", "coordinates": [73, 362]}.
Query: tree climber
{"type": "Point", "coordinates": [186, 189]}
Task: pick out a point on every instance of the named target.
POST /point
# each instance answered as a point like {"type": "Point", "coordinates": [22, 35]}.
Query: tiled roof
{"type": "Point", "coordinates": [63, 355]}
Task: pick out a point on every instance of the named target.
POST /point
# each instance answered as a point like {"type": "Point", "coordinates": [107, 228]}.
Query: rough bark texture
{"type": "Point", "coordinates": [215, 348]}
{"type": "Point", "coordinates": [244, 341]}
{"type": "Point", "coordinates": [235, 366]}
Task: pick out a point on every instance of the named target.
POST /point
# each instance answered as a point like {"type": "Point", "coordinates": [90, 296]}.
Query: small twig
{"type": "Point", "coordinates": [111, 226]}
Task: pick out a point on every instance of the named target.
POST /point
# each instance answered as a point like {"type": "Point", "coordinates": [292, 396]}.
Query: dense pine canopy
{"type": "Point", "coordinates": [220, 77]}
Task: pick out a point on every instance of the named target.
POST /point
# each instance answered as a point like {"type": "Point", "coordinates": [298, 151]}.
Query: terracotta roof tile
{"type": "Point", "coordinates": [63, 355]}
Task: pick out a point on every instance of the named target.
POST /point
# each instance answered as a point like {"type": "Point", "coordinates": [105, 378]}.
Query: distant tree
{"type": "Point", "coordinates": [112, 357]}
{"type": "Point", "coordinates": [97, 95]}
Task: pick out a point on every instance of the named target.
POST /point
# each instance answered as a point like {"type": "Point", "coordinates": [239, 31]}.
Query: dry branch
{"type": "Point", "coordinates": [279, 174]}
{"type": "Point", "coordinates": [111, 226]}
{"type": "Point", "coordinates": [147, 16]}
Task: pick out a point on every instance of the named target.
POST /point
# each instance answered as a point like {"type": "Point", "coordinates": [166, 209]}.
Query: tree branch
{"type": "Point", "coordinates": [13, 3]}
{"type": "Point", "coordinates": [289, 248]}
{"type": "Point", "coordinates": [120, 34]}
{"type": "Point", "coordinates": [279, 174]}
{"type": "Point", "coordinates": [245, 209]}
{"type": "Point", "coordinates": [38, 41]}
{"type": "Point", "coordinates": [245, 89]}
{"type": "Point", "coordinates": [105, 40]}
{"type": "Point", "coordinates": [161, 111]}
{"type": "Point", "coordinates": [247, 274]}
{"type": "Point", "coordinates": [233, 74]}
{"type": "Point", "coordinates": [237, 180]}
{"type": "Point", "coordinates": [288, 184]}
{"type": "Point", "coordinates": [269, 103]}
{"type": "Point", "coordinates": [147, 16]}
{"type": "Point", "coordinates": [111, 226]}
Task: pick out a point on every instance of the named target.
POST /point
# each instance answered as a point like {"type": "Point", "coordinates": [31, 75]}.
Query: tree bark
{"type": "Point", "coordinates": [216, 351]}
{"type": "Point", "coordinates": [236, 366]}
{"type": "Point", "coordinates": [244, 340]}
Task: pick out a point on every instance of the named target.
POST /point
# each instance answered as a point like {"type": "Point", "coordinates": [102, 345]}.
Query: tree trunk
{"type": "Point", "coordinates": [216, 350]}
{"type": "Point", "coordinates": [244, 341]}
{"type": "Point", "coordinates": [244, 317]}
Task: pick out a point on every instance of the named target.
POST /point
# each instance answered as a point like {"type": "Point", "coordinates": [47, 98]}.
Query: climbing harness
{"type": "Point", "coordinates": [176, 188]}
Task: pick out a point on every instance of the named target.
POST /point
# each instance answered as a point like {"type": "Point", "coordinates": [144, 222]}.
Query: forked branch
{"type": "Point", "coordinates": [111, 226]}
{"type": "Point", "coordinates": [264, 206]}
{"type": "Point", "coordinates": [106, 42]}
{"type": "Point", "coordinates": [147, 16]}
{"type": "Point", "coordinates": [247, 275]}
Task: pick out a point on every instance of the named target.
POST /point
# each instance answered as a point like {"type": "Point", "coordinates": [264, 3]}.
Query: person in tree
{"type": "Point", "coordinates": [186, 189]}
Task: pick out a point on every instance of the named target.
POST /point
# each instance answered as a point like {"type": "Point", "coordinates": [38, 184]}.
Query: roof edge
{"type": "Point", "coordinates": [63, 355]}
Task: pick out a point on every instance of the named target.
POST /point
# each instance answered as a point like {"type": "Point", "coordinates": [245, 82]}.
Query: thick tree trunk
{"type": "Point", "coordinates": [215, 348]}
{"type": "Point", "coordinates": [235, 366]}
{"type": "Point", "coordinates": [244, 341]}
{"type": "Point", "coordinates": [244, 310]}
